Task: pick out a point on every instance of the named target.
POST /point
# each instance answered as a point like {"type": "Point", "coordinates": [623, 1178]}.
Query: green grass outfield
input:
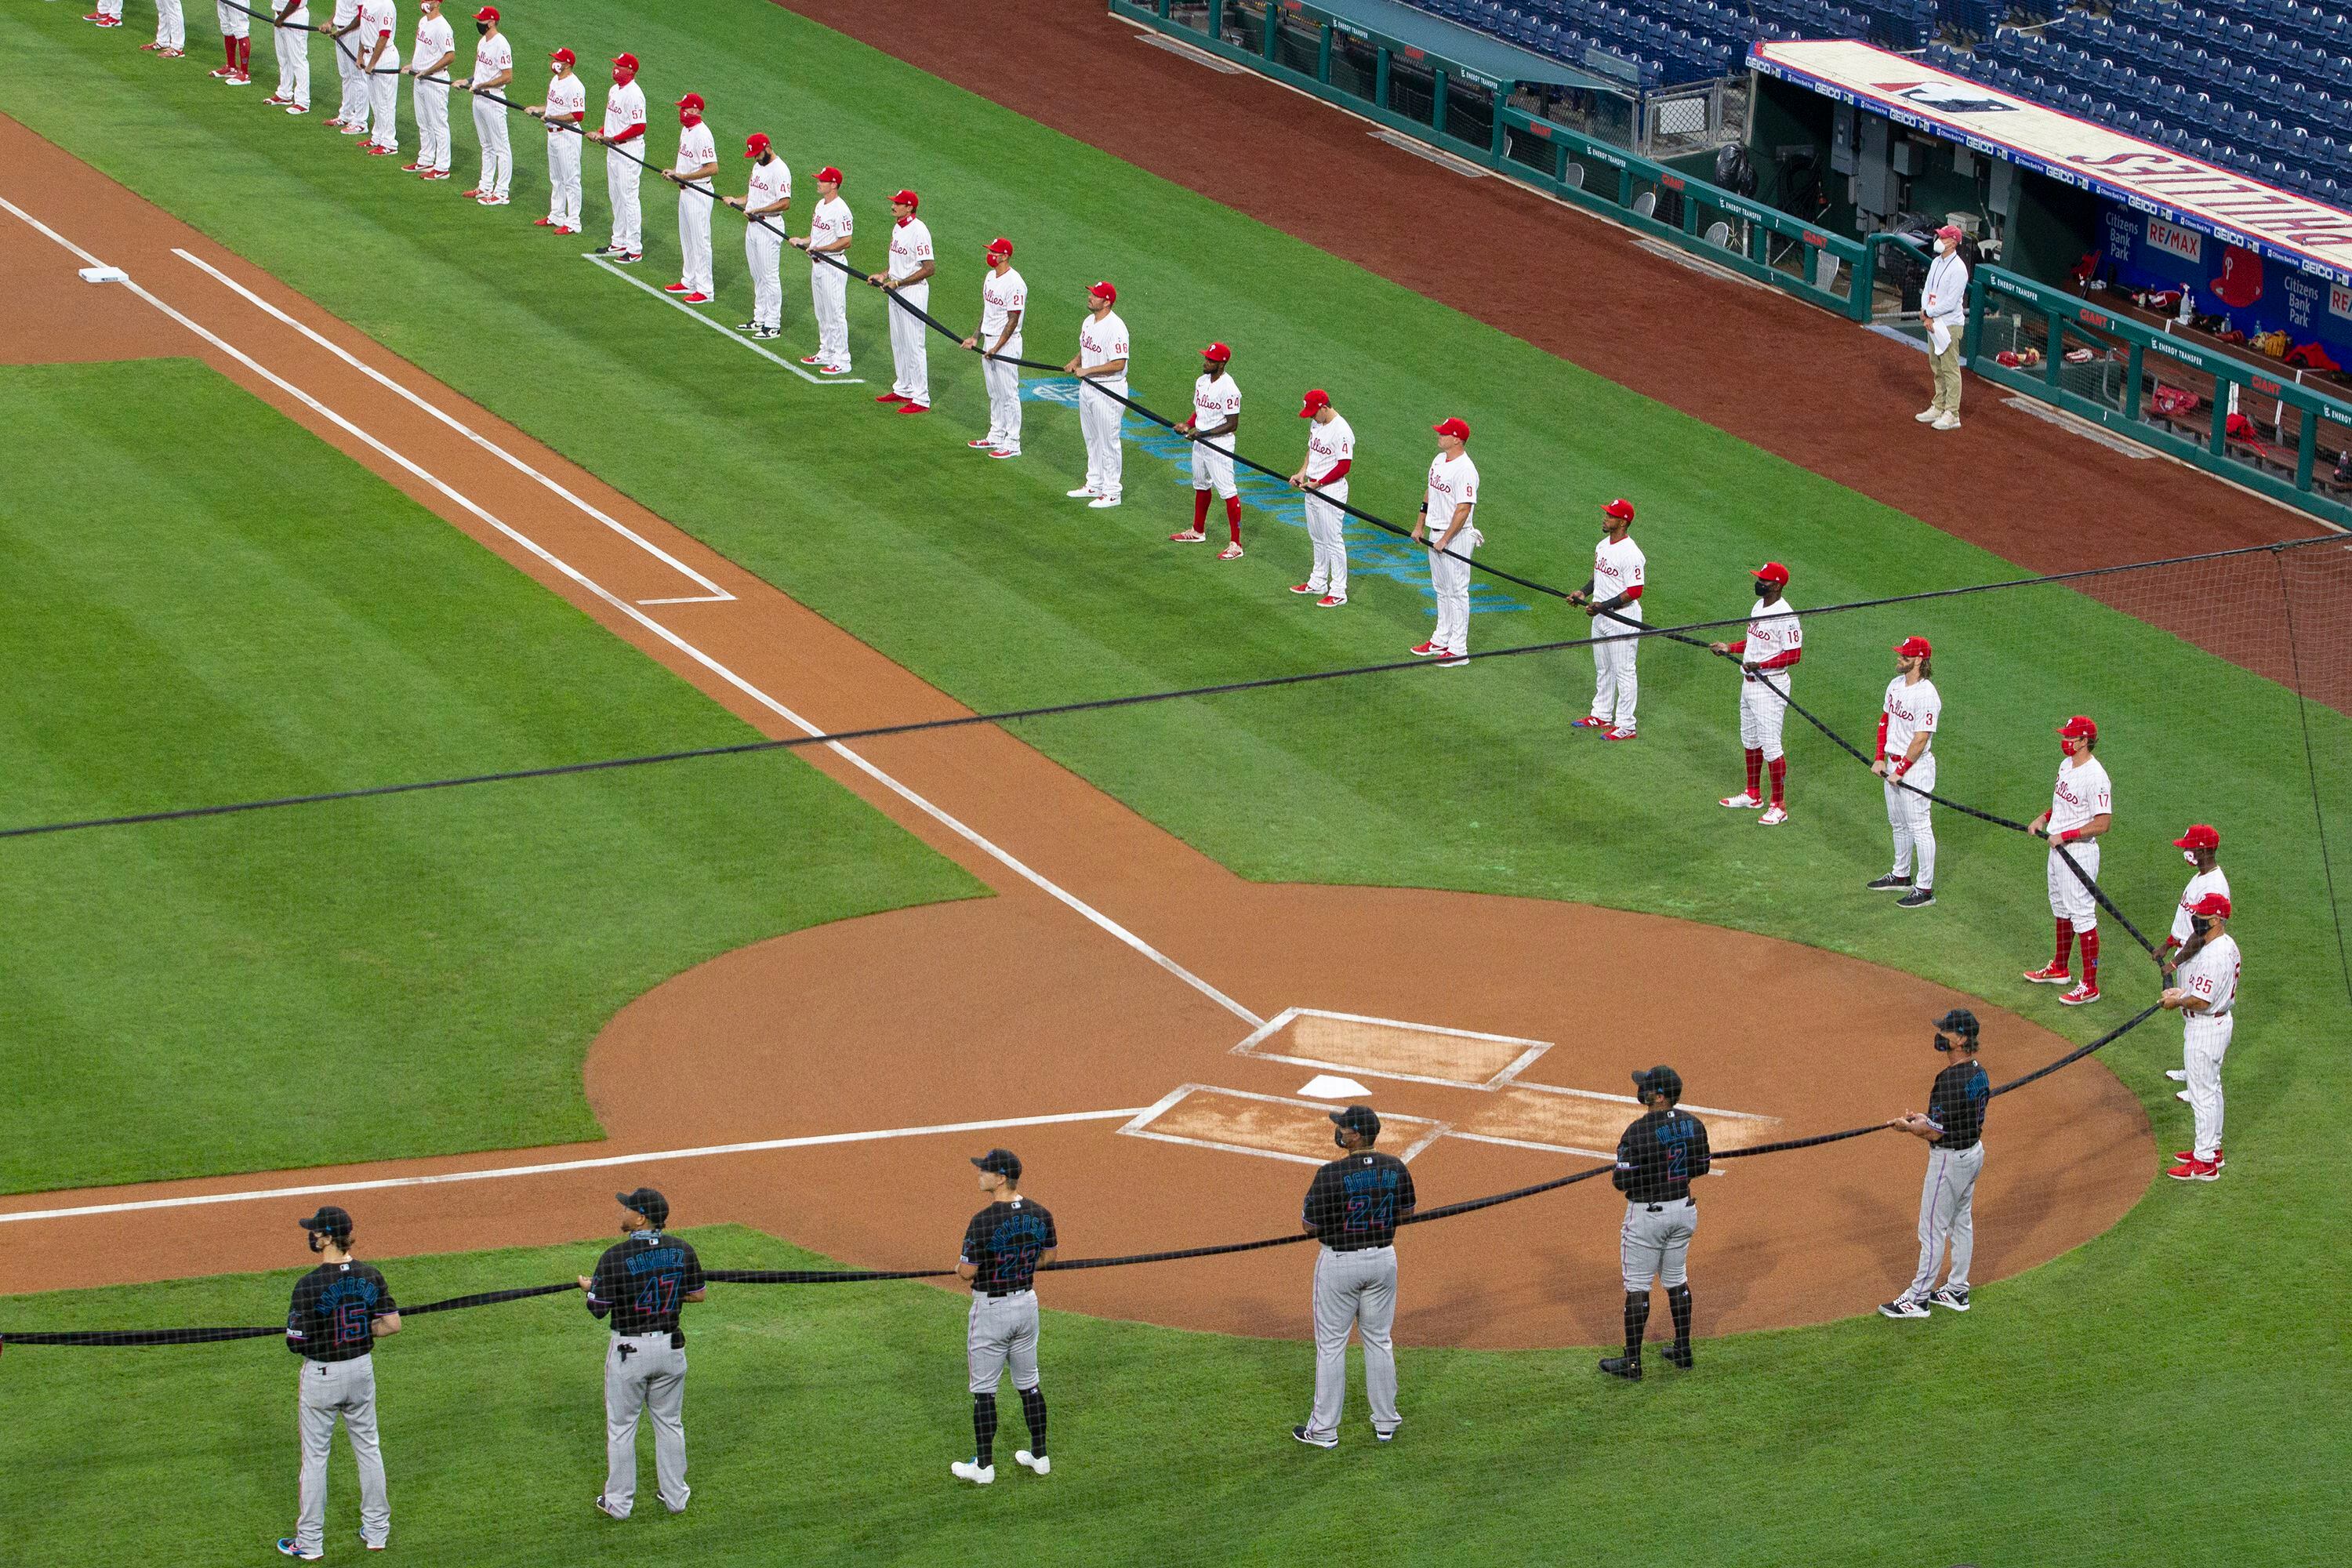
{"type": "Point", "coordinates": [356, 981]}
{"type": "Point", "coordinates": [2160, 1390]}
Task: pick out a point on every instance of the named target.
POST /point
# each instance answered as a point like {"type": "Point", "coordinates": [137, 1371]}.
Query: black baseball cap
{"type": "Point", "coordinates": [1659, 1080]}
{"type": "Point", "coordinates": [329, 1221]}
{"type": "Point", "coordinates": [648, 1203]}
{"type": "Point", "coordinates": [1001, 1162]}
{"type": "Point", "coordinates": [1359, 1119]}
{"type": "Point", "coordinates": [1959, 1021]}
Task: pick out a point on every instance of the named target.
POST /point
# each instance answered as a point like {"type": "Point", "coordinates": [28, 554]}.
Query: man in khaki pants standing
{"type": "Point", "coordinates": [1944, 310]}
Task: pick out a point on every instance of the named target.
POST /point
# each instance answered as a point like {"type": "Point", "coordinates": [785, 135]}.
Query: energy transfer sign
{"type": "Point", "coordinates": [2157, 181]}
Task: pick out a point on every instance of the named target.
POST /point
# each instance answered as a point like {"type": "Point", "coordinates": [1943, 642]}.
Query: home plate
{"type": "Point", "coordinates": [1323, 1086]}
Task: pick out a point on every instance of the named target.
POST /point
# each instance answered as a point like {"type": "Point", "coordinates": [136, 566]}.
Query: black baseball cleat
{"type": "Point", "coordinates": [1681, 1358]}
{"type": "Point", "coordinates": [1887, 884]}
{"type": "Point", "coordinates": [1626, 1366]}
{"type": "Point", "coordinates": [1308, 1437]}
{"type": "Point", "coordinates": [1916, 899]}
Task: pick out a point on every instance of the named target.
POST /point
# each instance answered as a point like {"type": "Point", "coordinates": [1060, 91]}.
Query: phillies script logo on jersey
{"type": "Point", "coordinates": [2066, 792]}
{"type": "Point", "coordinates": [1903, 710]}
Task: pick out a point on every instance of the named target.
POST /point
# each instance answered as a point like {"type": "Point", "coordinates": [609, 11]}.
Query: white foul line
{"type": "Point", "coordinates": [714, 593]}
{"type": "Point", "coordinates": [719, 327]}
{"type": "Point", "coordinates": [623, 606]}
{"type": "Point", "coordinates": [601, 1162]}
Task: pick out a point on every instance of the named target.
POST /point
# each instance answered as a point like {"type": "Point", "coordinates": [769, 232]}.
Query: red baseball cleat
{"type": "Point", "coordinates": [2218, 1159]}
{"type": "Point", "coordinates": [543, 223]}
{"type": "Point", "coordinates": [409, 168]}
{"type": "Point", "coordinates": [1189, 536]}
{"type": "Point", "coordinates": [1330, 602]}
{"type": "Point", "coordinates": [375, 152]}
{"type": "Point", "coordinates": [565, 229]}
{"type": "Point", "coordinates": [675, 288]}
{"type": "Point", "coordinates": [1300, 588]}
{"type": "Point", "coordinates": [2195, 1170]}
{"type": "Point", "coordinates": [889, 397]}
{"type": "Point", "coordinates": [221, 71]}
{"type": "Point", "coordinates": [1424, 649]}
{"type": "Point", "coordinates": [2086, 992]}
{"type": "Point", "coordinates": [1619, 735]}
{"type": "Point", "coordinates": [812, 358]}
{"type": "Point", "coordinates": [911, 407]}
{"type": "Point", "coordinates": [1588, 723]}
{"type": "Point", "coordinates": [476, 193]}
{"type": "Point", "coordinates": [698, 298]}
{"type": "Point", "coordinates": [2055, 974]}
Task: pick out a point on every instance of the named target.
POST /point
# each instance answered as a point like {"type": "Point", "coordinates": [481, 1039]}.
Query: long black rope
{"type": "Point", "coordinates": [146, 1337]}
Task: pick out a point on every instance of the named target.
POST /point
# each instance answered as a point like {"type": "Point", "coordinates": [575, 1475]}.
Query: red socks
{"type": "Point", "coordinates": [1200, 511]}
{"type": "Point", "coordinates": [2090, 959]}
{"type": "Point", "coordinates": [228, 52]}
{"type": "Point", "coordinates": [1780, 778]}
{"type": "Point", "coordinates": [245, 57]}
{"type": "Point", "coordinates": [1755, 771]}
{"type": "Point", "coordinates": [2065, 942]}
{"type": "Point", "coordinates": [1233, 513]}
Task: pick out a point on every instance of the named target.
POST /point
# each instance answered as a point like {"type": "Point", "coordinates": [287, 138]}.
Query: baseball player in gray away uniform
{"type": "Point", "coordinates": [1953, 1127]}
{"type": "Point", "coordinates": [340, 1309]}
{"type": "Point", "coordinates": [1657, 1158]}
{"type": "Point", "coordinates": [643, 1283]}
{"type": "Point", "coordinates": [1002, 1248]}
{"type": "Point", "coordinates": [1354, 1206]}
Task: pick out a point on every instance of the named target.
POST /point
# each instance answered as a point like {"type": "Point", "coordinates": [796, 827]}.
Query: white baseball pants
{"type": "Point", "coordinates": [1100, 420]}
{"type": "Point", "coordinates": [564, 179]}
{"type": "Point", "coordinates": [1449, 574]}
{"type": "Point", "coordinates": [171, 29]}
{"type": "Point", "coordinates": [1002, 380]}
{"type": "Point", "coordinates": [1654, 1245]}
{"type": "Point", "coordinates": [1914, 829]}
{"type": "Point", "coordinates": [829, 292]}
{"type": "Point", "coordinates": [383, 102]}
{"type": "Point", "coordinates": [431, 101]}
{"type": "Point", "coordinates": [762, 250]}
{"type": "Point", "coordinates": [353, 108]}
{"type": "Point", "coordinates": [2069, 898]}
{"type": "Point", "coordinates": [234, 23]}
{"type": "Point", "coordinates": [911, 358]}
{"type": "Point", "coordinates": [497, 154]}
{"type": "Point", "coordinates": [292, 46]}
{"type": "Point", "coordinates": [1001, 1336]}
{"type": "Point", "coordinates": [1354, 1290]}
{"type": "Point", "coordinates": [1213, 467]}
{"type": "Point", "coordinates": [1947, 1214]}
{"type": "Point", "coordinates": [2203, 1043]}
{"type": "Point", "coordinates": [110, 9]}
{"type": "Point", "coordinates": [1616, 687]}
{"type": "Point", "coordinates": [1324, 522]}
{"type": "Point", "coordinates": [328, 1389]}
{"type": "Point", "coordinates": [621, 190]}
{"type": "Point", "coordinates": [1761, 711]}
{"type": "Point", "coordinates": [694, 241]}
{"type": "Point", "coordinates": [645, 1374]}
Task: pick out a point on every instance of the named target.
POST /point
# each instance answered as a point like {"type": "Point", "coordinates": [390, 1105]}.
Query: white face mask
{"type": "Point", "coordinates": [2189, 856]}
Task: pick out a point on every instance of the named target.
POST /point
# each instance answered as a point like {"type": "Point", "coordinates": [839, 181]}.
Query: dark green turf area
{"type": "Point", "coordinates": [820, 1421]}
{"type": "Point", "coordinates": [358, 980]}
{"type": "Point", "coordinates": [2169, 1390]}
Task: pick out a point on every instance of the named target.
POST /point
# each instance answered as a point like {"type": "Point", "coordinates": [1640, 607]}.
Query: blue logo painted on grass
{"type": "Point", "coordinates": [1372, 553]}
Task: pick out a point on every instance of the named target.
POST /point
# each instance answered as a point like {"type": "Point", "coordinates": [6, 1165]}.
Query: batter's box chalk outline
{"type": "Point", "coordinates": [1141, 1127]}
{"type": "Point", "coordinates": [1507, 1077]}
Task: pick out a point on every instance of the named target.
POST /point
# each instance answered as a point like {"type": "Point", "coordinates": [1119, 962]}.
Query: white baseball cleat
{"type": "Point", "coordinates": [1099, 502]}
{"type": "Point", "coordinates": [985, 444]}
{"type": "Point", "coordinates": [973, 1470]}
{"type": "Point", "coordinates": [2182, 1095]}
{"type": "Point", "coordinates": [1230, 552]}
{"type": "Point", "coordinates": [1743, 801]}
{"type": "Point", "coordinates": [1084, 492]}
{"type": "Point", "coordinates": [286, 1548]}
{"type": "Point", "coordinates": [1949, 422]}
{"type": "Point", "coordinates": [1007, 452]}
{"type": "Point", "coordinates": [1928, 415]}
{"type": "Point", "coordinates": [1188, 536]}
{"type": "Point", "coordinates": [1774, 817]}
{"type": "Point", "coordinates": [1029, 1461]}
{"type": "Point", "coordinates": [2175, 1075]}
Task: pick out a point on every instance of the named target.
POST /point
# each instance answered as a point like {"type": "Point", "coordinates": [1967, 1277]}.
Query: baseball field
{"type": "Point", "coordinates": [353, 483]}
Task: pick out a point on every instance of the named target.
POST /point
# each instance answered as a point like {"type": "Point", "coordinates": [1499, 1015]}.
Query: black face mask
{"type": "Point", "coordinates": [1340, 1138]}
{"type": "Point", "coordinates": [1942, 1044]}
{"type": "Point", "coordinates": [318, 1242]}
{"type": "Point", "coordinates": [481, 29]}
{"type": "Point", "coordinates": [2200, 926]}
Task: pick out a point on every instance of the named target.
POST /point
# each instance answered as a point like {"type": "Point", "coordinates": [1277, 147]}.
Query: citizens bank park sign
{"type": "Point", "coordinates": [2150, 179]}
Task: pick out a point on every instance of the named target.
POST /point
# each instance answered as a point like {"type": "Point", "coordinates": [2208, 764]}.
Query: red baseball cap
{"type": "Point", "coordinates": [2199, 837]}
{"type": "Point", "coordinates": [1217, 353]}
{"type": "Point", "coordinates": [1454, 428]}
{"type": "Point", "coordinates": [1771, 572]}
{"type": "Point", "coordinates": [487, 14]}
{"type": "Point", "coordinates": [691, 100]}
{"type": "Point", "coordinates": [909, 197]}
{"type": "Point", "coordinates": [828, 175]}
{"type": "Point", "coordinates": [1000, 245]}
{"type": "Point", "coordinates": [1620, 509]}
{"type": "Point", "coordinates": [1950, 231]}
{"type": "Point", "coordinates": [1915, 647]}
{"type": "Point", "coordinates": [756, 143]}
{"type": "Point", "coordinates": [2211, 904]}
{"type": "Point", "coordinates": [626, 58]}
{"type": "Point", "coordinates": [2079, 728]}
{"type": "Point", "coordinates": [1316, 400]}
{"type": "Point", "coordinates": [566, 56]}
{"type": "Point", "coordinates": [1106, 290]}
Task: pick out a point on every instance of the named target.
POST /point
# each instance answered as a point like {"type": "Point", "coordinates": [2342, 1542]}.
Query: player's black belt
{"type": "Point", "coordinates": [1000, 1295]}
{"type": "Point", "coordinates": [1670, 1203]}
{"type": "Point", "coordinates": [1361, 1245]}
{"type": "Point", "coordinates": [1958, 1148]}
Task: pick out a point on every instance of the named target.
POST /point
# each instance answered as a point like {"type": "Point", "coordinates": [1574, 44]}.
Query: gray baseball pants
{"type": "Point", "coordinates": [644, 1374]}
{"type": "Point", "coordinates": [1946, 1213]}
{"type": "Point", "coordinates": [1354, 1290]}
{"type": "Point", "coordinates": [328, 1389]}
{"type": "Point", "coordinates": [1003, 1334]}
{"type": "Point", "coordinates": [1654, 1247]}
